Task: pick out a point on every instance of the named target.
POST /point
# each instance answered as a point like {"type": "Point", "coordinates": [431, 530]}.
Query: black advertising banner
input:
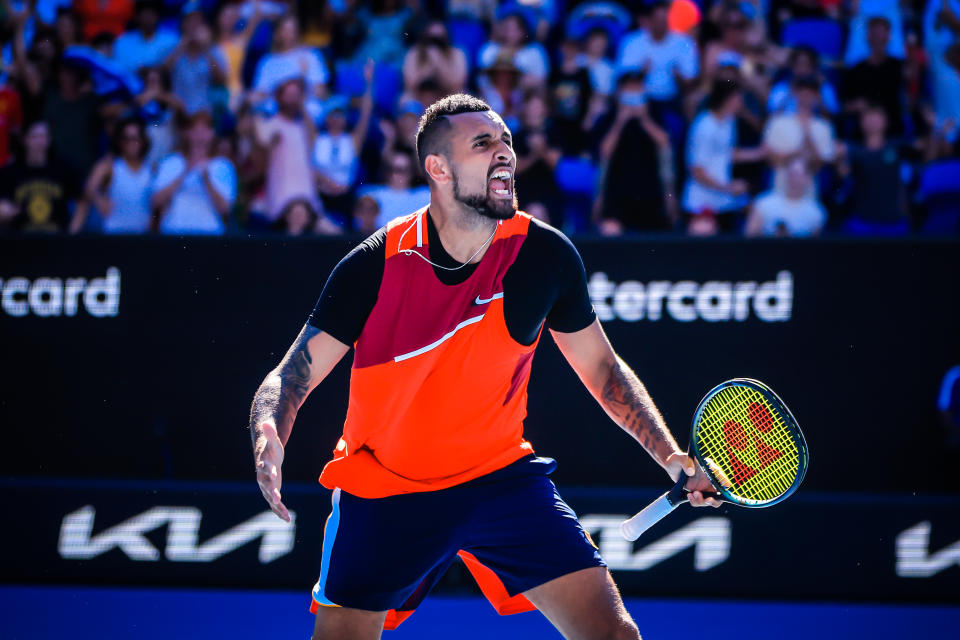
{"type": "Point", "coordinates": [138, 357]}
{"type": "Point", "coordinates": [814, 546]}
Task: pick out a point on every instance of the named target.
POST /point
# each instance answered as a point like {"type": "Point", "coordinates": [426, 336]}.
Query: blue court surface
{"type": "Point", "coordinates": [145, 614]}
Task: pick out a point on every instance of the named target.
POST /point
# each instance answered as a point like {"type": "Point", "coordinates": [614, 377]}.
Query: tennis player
{"type": "Point", "coordinates": [444, 308]}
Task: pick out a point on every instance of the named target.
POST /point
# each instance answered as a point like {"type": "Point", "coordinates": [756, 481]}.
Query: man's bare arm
{"type": "Point", "coordinates": [307, 362]}
{"type": "Point", "coordinates": [275, 405]}
{"type": "Point", "coordinates": [621, 394]}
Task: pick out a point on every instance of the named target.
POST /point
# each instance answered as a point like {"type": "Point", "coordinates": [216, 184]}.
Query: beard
{"type": "Point", "coordinates": [486, 204]}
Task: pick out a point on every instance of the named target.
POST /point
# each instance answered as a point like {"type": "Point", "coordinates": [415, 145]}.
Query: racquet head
{"type": "Point", "coordinates": [743, 431]}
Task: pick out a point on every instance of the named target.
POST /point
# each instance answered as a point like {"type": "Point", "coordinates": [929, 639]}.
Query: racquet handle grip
{"type": "Point", "coordinates": [654, 512]}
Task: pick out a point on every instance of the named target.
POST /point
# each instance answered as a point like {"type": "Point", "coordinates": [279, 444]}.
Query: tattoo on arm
{"type": "Point", "coordinates": [284, 389]}
{"type": "Point", "coordinates": [627, 401]}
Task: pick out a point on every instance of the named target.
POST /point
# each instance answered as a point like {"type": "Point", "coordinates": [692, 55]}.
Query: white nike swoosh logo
{"type": "Point", "coordinates": [495, 296]}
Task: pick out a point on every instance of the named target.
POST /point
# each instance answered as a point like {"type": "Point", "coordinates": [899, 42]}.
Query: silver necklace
{"type": "Point", "coordinates": [418, 224]}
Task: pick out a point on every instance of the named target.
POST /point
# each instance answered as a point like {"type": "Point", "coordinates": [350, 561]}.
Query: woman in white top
{"type": "Point", "coordinates": [119, 184]}
{"type": "Point", "coordinates": [287, 59]}
{"type": "Point", "coordinates": [193, 190]}
{"type": "Point", "coordinates": [790, 212]}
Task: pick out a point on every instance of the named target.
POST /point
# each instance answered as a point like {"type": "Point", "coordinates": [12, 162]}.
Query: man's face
{"type": "Point", "coordinates": [878, 36]}
{"type": "Point", "coordinates": [658, 21]}
{"type": "Point", "coordinates": [483, 161]}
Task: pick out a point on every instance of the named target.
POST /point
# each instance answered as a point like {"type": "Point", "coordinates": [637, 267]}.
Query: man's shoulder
{"type": "Point", "coordinates": [543, 237]}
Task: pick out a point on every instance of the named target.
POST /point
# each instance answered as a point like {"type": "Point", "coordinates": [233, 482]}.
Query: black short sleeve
{"type": "Point", "coordinates": [572, 309]}
{"type": "Point", "coordinates": [547, 281]}
{"type": "Point", "coordinates": [351, 290]}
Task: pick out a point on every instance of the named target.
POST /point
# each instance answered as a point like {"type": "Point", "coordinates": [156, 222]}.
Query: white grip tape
{"type": "Point", "coordinates": [651, 515]}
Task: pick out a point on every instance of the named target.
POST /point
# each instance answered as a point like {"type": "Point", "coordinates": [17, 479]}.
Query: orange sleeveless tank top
{"type": "Point", "coordinates": [438, 389]}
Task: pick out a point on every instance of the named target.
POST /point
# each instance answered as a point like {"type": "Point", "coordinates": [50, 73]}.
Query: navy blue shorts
{"type": "Point", "coordinates": [511, 528]}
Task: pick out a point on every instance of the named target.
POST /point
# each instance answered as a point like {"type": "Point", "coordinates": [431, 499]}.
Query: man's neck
{"type": "Point", "coordinates": [875, 141]}
{"type": "Point", "coordinates": [35, 160]}
{"type": "Point", "coordinates": [877, 57]}
{"type": "Point", "coordinates": [461, 230]}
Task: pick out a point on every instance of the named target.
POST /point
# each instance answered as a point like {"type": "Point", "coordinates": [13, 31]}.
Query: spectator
{"type": "Point", "coordinates": [865, 12]}
{"type": "Point", "coordinates": [11, 119]}
{"type": "Point", "coordinates": [501, 89]}
{"type": "Point", "coordinates": [637, 189]}
{"type": "Point", "coordinates": [385, 23]}
{"type": "Point", "coordinates": [434, 57]}
{"type": "Point", "coordinates": [299, 218]}
{"type": "Point", "coordinates": [668, 58]}
{"type": "Point", "coordinates": [287, 59]}
{"type": "Point", "coordinates": [478, 10]}
{"type": "Point", "coordinates": [288, 138]}
{"type": "Point", "coordinates": [159, 107]}
{"type": "Point", "coordinates": [397, 196]}
{"type": "Point", "coordinates": [509, 42]}
{"type": "Point", "coordinates": [537, 152]}
{"type": "Point", "coordinates": [801, 134]}
{"type": "Point", "coordinates": [573, 99]}
{"type": "Point", "coordinates": [366, 213]}
{"type": "Point", "coordinates": [111, 16]}
{"type": "Point", "coordinates": [711, 153]}
{"type": "Point", "coordinates": [878, 78]}
{"type": "Point", "coordinates": [194, 190]}
{"type": "Point", "coordinates": [941, 26]}
{"type": "Point", "coordinates": [337, 149]}
{"type": "Point", "coordinates": [119, 185]}
{"type": "Point", "coordinates": [194, 65]}
{"type": "Point", "coordinates": [145, 45]}
{"type": "Point", "coordinates": [74, 116]}
{"type": "Point", "coordinates": [741, 44]}
{"type": "Point", "coordinates": [787, 213]}
{"type": "Point", "coordinates": [231, 46]}
{"type": "Point", "coordinates": [35, 190]}
{"type": "Point", "coordinates": [595, 58]}
{"type": "Point", "coordinates": [68, 28]}
{"type": "Point", "coordinates": [401, 134]}
{"type": "Point", "coordinates": [878, 200]}
{"type": "Point", "coordinates": [804, 61]}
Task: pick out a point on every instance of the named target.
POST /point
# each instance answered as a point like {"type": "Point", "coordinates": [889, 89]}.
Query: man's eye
{"type": "Point", "coordinates": [481, 143]}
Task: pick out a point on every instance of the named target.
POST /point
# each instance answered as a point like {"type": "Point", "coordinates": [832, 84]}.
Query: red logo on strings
{"type": "Point", "coordinates": [737, 440]}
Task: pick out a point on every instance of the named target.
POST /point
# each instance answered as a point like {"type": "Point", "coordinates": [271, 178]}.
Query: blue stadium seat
{"type": "Point", "coordinates": [349, 80]}
{"type": "Point", "coordinates": [387, 87]}
{"type": "Point", "coordinates": [939, 192]}
{"type": "Point", "coordinates": [825, 36]}
{"type": "Point", "coordinates": [576, 176]}
{"type": "Point", "coordinates": [577, 180]}
{"type": "Point", "coordinates": [387, 83]}
{"type": "Point", "coordinates": [469, 35]}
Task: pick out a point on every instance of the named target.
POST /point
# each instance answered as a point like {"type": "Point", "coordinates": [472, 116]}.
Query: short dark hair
{"type": "Point", "coordinates": [117, 139]}
{"type": "Point", "coordinates": [434, 125]}
{"type": "Point", "coordinates": [875, 20]}
{"type": "Point", "coordinates": [720, 92]}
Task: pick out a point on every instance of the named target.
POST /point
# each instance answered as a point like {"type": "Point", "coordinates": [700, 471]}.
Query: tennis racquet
{"type": "Point", "coordinates": [747, 443]}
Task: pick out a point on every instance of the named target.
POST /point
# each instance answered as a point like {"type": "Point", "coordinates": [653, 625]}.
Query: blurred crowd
{"type": "Point", "coordinates": [755, 117]}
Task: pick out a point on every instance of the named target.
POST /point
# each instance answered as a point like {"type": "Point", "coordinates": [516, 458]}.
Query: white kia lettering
{"type": "Point", "coordinates": [183, 524]}
{"type": "Point", "coordinates": [914, 559]}
{"type": "Point", "coordinates": [709, 537]}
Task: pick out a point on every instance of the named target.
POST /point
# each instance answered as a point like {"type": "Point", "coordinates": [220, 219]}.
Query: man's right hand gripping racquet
{"type": "Point", "coordinates": [747, 443]}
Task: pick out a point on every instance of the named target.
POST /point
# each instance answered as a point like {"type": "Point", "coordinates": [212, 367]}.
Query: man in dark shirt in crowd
{"type": "Point", "coordinates": [73, 112]}
{"type": "Point", "coordinates": [34, 191]}
{"type": "Point", "coordinates": [877, 199]}
{"type": "Point", "coordinates": [878, 79]}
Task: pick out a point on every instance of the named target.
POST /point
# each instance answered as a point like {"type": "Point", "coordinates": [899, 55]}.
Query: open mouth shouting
{"type": "Point", "coordinates": [501, 183]}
